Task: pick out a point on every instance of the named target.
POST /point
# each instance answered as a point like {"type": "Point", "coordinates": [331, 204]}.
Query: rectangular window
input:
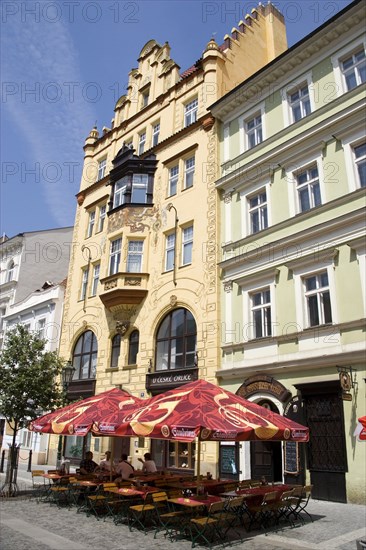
{"type": "Point", "coordinates": [139, 188]}
{"type": "Point", "coordinates": [190, 112]}
{"type": "Point", "coordinates": [187, 245]}
{"type": "Point", "coordinates": [102, 168]}
{"type": "Point", "coordinates": [102, 213]}
{"type": "Point", "coordinates": [91, 223]}
{"type": "Point", "coordinates": [258, 212]}
{"type": "Point", "coordinates": [189, 166]}
{"type": "Point", "coordinates": [173, 180]}
{"type": "Point", "coordinates": [115, 256]}
{"type": "Point", "coordinates": [41, 328]}
{"type": "Point", "coordinates": [261, 313]}
{"type": "Point", "coordinates": [360, 159]}
{"type": "Point", "coordinates": [144, 100]}
{"type": "Point", "coordinates": [134, 256]}
{"type": "Point", "coordinates": [96, 271]}
{"type": "Point", "coordinates": [120, 189]}
{"type": "Point", "coordinates": [253, 130]}
{"type": "Point", "coordinates": [142, 142]}
{"type": "Point", "coordinates": [353, 68]}
{"type": "Point", "coordinates": [299, 102]}
{"type": "Point", "coordinates": [155, 134]}
{"type": "Point", "coordinates": [317, 297]}
{"type": "Point", "coordinates": [169, 251]}
{"type": "Point", "coordinates": [84, 283]}
{"type": "Point", "coordinates": [308, 188]}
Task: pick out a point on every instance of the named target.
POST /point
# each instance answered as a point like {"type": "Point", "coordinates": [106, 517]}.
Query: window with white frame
{"type": "Point", "coordinates": [134, 256]}
{"type": "Point", "coordinates": [189, 167]}
{"type": "Point", "coordinates": [120, 192]}
{"type": "Point", "coordinates": [155, 134]}
{"type": "Point", "coordinates": [187, 245]}
{"type": "Point", "coordinates": [173, 180]}
{"type": "Point", "coordinates": [102, 214]}
{"type": "Point", "coordinates": [253, 131]}
{"type": "Point", "coordinates": [139, 188]}
{"type": "Point", "coordinates": [190, 112]}
{"type": "Point", "coordinates": [258, 213]}
{"type": "Point", "coordinates": [115, 256]}
{"type": "Point", "coordinates": [353, 68]}
{"type": "Point", "coordinates": [84, 282]}
{"type": "Point", "coordinates": [41, 327]}
{"type": "Point", "coordinates": [261, 313]}
{"type": "Point", "coordinates": [95, 281]}
{"type": "Point", "coordinates": [27, 438]}
{"type": "Point", "coordinates": [317, 297]}
{"type": "Point", "coordinates": [142, 143]}
{"type": "Point", "coordinates": [169, 251]}
{"type": "Point", "coordinates": [308, 188]}
{"type": "Point", "coordinates": [10, 272]}
{"type": "Point", "coordinates": [299, 102]}
{"type": "Point", "coordinates": [91, 223]}
{"type": "Point", "coordinates": [102, 165]}
{"type": "Point", "coordinates": [360, 160]}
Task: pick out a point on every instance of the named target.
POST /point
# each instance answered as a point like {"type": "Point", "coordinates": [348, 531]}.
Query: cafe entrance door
{"type": "Point", "coordinates": [266, 456]}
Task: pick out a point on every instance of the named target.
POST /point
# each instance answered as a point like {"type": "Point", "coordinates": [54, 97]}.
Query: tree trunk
{"type": "Point", "coordinates": [10, 486]}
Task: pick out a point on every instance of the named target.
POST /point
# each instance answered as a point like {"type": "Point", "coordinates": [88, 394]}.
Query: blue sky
{"type": "Point", "coordinates": [64, 65]}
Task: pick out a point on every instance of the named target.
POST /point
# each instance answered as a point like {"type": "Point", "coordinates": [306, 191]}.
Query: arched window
{"type": "Point", "coordinates": [176, 341]}
{"type": "Point", "coordinates": [10, 271]}
{"type": "Point", "coordinates": [133, 347]}
{"type": "Point", "coordinates": [85, 356]}
{"type": "Point", "coordinates": [116, 348]}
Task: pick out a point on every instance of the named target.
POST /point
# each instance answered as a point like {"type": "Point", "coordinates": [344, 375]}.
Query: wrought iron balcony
{"type": "Point", "coordinates": [123, 288]}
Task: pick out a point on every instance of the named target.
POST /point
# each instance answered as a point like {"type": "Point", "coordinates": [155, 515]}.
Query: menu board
{"type": "Point", "coordinates": [291, 450]}
{"type": "Point", "coordinates": [228, 460]}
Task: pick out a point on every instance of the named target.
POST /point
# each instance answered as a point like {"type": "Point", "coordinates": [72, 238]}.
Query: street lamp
{"type": "Point", "coordinates": [67, 374]}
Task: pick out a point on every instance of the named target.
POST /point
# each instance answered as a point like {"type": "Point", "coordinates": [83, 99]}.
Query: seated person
{"type": "Point", "coordinates": [87, 465]}
{"type": "Point", "coordinates": [124, 469]}
{"type": "Point", "coordinates": [148, 465]}
{"type": "Point", "coordinates": [105, 465]}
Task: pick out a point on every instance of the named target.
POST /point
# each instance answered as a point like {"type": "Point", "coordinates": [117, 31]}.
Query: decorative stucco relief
{"type": "Point", "coordinates": [138, 220]}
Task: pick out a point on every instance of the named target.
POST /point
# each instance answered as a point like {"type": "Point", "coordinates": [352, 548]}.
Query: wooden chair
{"type": "Point", "coordinates": [38, 485]}
{"type": "Point", "coordinates": [262, 512]}
{"type": "Point", "coordinates": [233, 517]}
{"type": "Point", "coordinates": [141, 515]}
{"type": "Point", "coordinates": [166, 518]}
{"type": "Point", "coordinates": [209, 527]}
{"type": "Point", "coordinates": [299, 501]}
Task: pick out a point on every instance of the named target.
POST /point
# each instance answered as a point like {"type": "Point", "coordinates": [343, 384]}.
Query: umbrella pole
{"type": "Point", "coordinates": [112, 459]}
{"type": "Point", "coordinates": [198, 458]}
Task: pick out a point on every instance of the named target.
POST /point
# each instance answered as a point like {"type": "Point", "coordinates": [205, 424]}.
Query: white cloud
{"type": "Point", "coordinates": [40, 63]}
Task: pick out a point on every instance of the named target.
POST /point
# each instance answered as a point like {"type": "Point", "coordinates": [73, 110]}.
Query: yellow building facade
{"type": "Point", "coordinates": [142, 308]}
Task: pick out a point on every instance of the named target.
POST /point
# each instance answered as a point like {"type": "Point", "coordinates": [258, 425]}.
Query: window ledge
{"type": "Point", "coordinates": [129, 367]}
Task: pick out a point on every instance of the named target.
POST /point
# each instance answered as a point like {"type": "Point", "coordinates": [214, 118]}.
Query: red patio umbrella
{"type": "Point", "coordinates": [201, 409]}
{"type": "Point", "coordinates": [78, 417]}
{"type": "Point", "coordinates": [360, 431]}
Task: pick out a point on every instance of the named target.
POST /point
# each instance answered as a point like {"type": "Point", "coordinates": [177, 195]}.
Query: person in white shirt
{"type": "Point", "coordinates": [148, 465]}
{"type": "Point", "coordinates": [124, 469]}
{"type": "Point", "coordinates": [105, 464]}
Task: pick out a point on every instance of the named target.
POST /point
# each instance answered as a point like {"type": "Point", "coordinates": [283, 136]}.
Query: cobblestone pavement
{"type": "Point", "coordinates": [28, 525]}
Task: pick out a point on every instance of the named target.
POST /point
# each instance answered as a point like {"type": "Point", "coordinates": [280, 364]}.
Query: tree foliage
{"type": "Point", "coordinates": [28, 378]}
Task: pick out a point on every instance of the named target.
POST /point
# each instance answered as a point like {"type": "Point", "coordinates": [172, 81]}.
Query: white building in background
{"type": "Point", "coordinates": [33, 274]}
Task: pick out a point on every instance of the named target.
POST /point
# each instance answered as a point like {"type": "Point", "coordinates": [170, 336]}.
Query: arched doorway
{"type": "Point", "coordinates": [266, 456]}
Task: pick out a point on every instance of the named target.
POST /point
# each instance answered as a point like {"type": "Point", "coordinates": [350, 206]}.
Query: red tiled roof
{"type": "Point", "coordinates": [189, 71]}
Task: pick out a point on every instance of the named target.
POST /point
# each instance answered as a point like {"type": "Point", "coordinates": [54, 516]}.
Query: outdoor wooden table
{"type": "Point", "coordinates": [134, 492]}
{"type": "Point", "coordinates": [256, 494]}
{"type": "Point", "coordinates": [187, 502]}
